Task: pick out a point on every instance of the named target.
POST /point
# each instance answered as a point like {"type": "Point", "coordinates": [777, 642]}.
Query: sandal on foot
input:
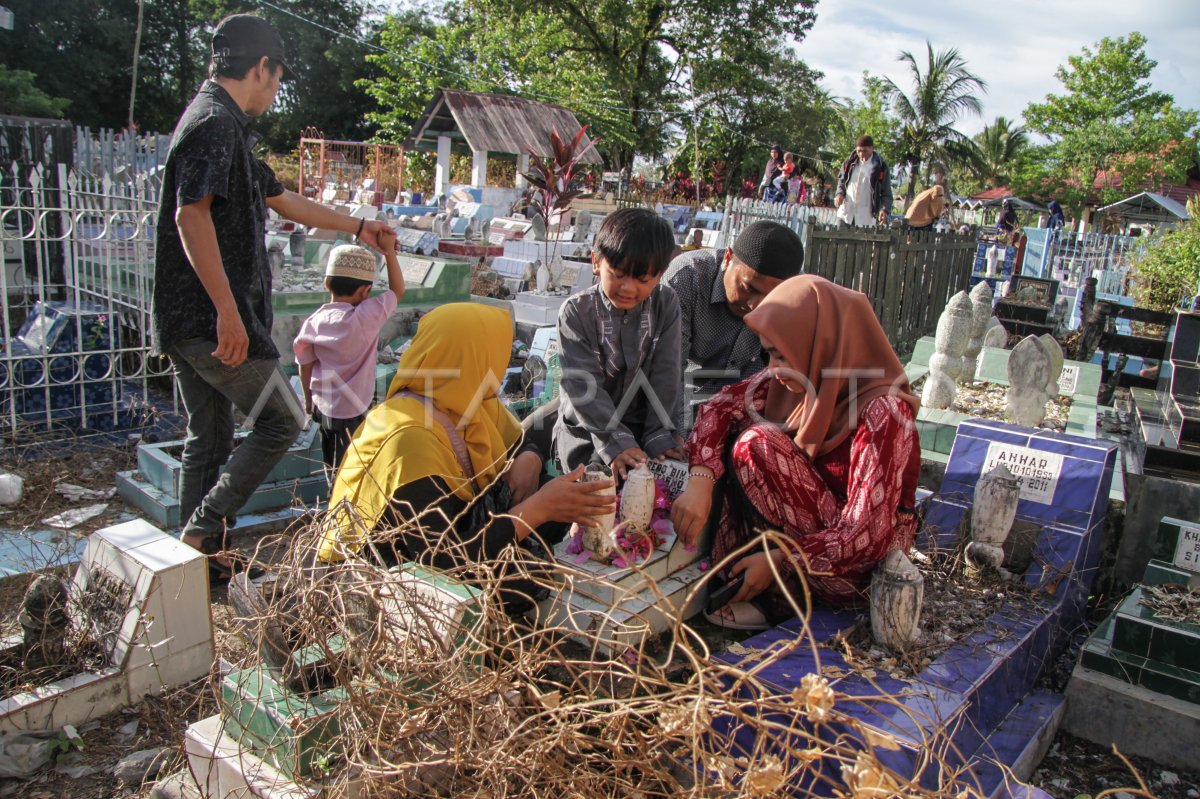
{"type": "Point", "coordinates": [220, 573]}
{"type": "Point", "coordinates": [739, 616]}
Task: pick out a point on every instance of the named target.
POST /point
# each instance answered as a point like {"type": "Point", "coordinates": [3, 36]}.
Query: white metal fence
{"type": "Point", "coordinates": [739, 213]}
{"type": "Point", "coordinates": [76, 289]}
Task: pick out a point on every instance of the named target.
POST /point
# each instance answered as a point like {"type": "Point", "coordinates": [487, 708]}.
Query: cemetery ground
{"type": "Point", "coordinates": [156, 724]}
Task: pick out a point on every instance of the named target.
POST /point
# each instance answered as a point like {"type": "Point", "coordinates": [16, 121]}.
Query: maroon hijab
{"type": "Point", "coordinates": [835, 347]}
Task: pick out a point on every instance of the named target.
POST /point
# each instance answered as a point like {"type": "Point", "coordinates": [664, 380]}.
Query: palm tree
{"type": "Point", "coordinates": [993, 153]}
{"type": "Point", "coordinates": [939, 97]}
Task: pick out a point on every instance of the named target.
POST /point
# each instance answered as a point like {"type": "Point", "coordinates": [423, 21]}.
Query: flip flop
{"type": "Point", "coordinates": [742, 616]}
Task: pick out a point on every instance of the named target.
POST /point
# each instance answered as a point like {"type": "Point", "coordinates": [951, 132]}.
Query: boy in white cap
{"type": "Point", "coordinates": [335, 348]}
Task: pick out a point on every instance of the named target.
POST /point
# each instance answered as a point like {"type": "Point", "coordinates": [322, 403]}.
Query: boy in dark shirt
{"type": "Point", "coordinates": [620, 344]}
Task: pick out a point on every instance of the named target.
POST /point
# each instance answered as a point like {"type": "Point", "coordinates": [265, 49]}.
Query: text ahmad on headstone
{"type": "Point", "coordinates": [1036, 471]}
{"type": "Point", "coordinates": [1187, 548]}
{"type": "Point", "coordinates": [1068, 380]}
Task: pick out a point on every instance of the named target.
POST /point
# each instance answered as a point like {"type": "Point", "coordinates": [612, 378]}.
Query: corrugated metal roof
{"type": "Point", "coordinates": [497, 123]}
{"type": "Point", "coordinates": [1149, 207]}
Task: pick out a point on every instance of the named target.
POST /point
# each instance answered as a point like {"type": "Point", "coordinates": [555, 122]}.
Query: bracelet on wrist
{"type": "Point", "coordinates": [358, 233]}
{"type": "Point", "coordinates": [712, 477]}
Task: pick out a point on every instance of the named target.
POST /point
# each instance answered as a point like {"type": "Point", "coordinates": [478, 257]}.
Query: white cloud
{"type": "Point", "coordinates": [1015, 46]}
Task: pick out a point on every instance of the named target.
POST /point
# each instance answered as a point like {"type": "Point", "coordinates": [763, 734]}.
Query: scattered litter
{"type": "Point", "coordinates": [22, 756]}
{"type": "Point", "coordinates": [126, 731]}
{"type": "Point", "coordinates": [12, 488]}
{"type": "Point", "coordinates": [76, 516]}
{"type": "Point", "coordinates": [77, 493]}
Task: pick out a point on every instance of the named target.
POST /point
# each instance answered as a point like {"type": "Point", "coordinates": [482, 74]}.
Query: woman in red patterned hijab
{"type": "Point", "coordinates": [820, 446]}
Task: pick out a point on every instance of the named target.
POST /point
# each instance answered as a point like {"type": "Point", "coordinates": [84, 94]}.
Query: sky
{"type": "Point", "coordinates": [1015, 46]}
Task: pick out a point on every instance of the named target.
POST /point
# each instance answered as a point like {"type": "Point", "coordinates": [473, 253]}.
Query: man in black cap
{"type": "Point", "coordinates": [212, 283]}
{"type": "Point", "coordinates": [716, 289]}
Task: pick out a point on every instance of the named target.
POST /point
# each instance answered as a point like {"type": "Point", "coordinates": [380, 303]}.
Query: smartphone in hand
{"type": "Point", "coordinates": [721, 589]}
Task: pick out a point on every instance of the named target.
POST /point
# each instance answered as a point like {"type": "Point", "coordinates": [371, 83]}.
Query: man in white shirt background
{"type": "Point", "coordinates": [864, 188]}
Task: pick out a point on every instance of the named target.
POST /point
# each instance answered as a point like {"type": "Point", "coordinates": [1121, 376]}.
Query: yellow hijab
{"type": "Point", "coordinates": [456, 362]}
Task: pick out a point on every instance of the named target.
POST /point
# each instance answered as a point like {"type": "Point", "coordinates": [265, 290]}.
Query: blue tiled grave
{"type": "Point", "coordinates": [976, 703]}
{"type": "Point", "coordinates": [47, 370]}
{"type": "Point", "coordinates": [153, 487]}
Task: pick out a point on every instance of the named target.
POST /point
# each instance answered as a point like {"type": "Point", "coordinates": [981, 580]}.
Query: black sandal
{"type": "Point", "coordinates": [220, 573]}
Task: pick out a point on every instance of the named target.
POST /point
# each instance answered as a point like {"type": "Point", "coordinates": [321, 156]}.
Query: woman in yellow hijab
{"type": "Point", "coordinates": [424, 459]}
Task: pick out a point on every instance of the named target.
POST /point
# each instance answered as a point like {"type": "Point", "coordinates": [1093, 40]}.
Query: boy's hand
{"type": "Point", "coordinates": [678, 452]}
{"type": "Point", "coordinates": [629, 459]}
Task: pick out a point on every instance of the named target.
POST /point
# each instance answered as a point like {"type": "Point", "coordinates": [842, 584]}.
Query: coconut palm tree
{"type": "Point", "coordinates": [992, 154]}
{"type": "Point", "coordinates": [945, 91]}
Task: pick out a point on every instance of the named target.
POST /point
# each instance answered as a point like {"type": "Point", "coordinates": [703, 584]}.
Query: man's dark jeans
{"type": "Point", "coordinates": [208, 493]}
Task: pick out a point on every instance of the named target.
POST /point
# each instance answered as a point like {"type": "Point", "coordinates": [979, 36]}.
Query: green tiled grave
{"type": "Point", "coordinates": [1158, 573]}
{"type": "Point", "coordinates": [1138, 630]}
{"type": "Point", "coordinates": [291, 732]}
{"type": "Point", "coordinates": [298, 733]}
{"type": "Point", "coordinates": [1178, 544]}
{"type": "Point", "coordinates": [1099, 654]}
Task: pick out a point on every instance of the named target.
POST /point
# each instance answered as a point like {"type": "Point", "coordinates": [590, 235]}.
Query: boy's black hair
{"type": "Point", "coordinates": [342, 286]}
{"type": "Point", "coordinates": [635, 241]}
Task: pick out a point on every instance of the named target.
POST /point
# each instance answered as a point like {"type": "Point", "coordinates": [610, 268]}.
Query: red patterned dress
{"type": "Point", "coordinates": [845, 510]}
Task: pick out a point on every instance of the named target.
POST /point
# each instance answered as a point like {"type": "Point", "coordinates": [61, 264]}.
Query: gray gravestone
{"type": "Point", "coordinates": [1028, 375]}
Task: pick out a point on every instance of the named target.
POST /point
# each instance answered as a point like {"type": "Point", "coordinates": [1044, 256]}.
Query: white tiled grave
{"type": "Point", "coordinates": [144, 595]}
{"type": "Point", "coordinates": [616, 608]}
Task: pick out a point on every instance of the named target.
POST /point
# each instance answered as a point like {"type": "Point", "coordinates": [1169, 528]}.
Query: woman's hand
{"type": "Point", "coordinates": [565, 499]}
{"type": "Point", "coordinates": [523, 476]}
{"type": "Point", "coordinates": [690, 510]}
{"type": "Point", "coordinates": [756, 572]}
{"type": "Point", "coordinates": [628, 459]}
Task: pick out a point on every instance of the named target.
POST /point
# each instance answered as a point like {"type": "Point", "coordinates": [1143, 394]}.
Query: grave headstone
{"type": "Point", "coordinates": [136, 591]}
{"type": "Point", "coordinates": [981, 309]}
{"type": "Point", "coordinates": [995, 335]}
{"type": "Point", "coordinates": [992, 515]}
{"type": "Point", "coordinates": [1029, 369]}
{"type": "Point", "coordinates": [946, 364]}
{"type": "Point", "coordinates": [1054, 350]}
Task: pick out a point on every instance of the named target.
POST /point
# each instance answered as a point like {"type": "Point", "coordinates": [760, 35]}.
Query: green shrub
{"type": "Point", "coordinates": [1168, 270]}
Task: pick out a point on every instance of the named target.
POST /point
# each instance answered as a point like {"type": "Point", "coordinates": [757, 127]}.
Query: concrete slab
{"type": "Point", "coordinates": [1106, 711]}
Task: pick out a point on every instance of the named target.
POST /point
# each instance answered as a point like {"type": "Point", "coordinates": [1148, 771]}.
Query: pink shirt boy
{"type": "Point", "coordinates": [340, 340]}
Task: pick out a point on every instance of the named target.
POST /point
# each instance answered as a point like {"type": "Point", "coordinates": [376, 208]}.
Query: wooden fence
{"type": "Point", "coordinates": [908, 276]}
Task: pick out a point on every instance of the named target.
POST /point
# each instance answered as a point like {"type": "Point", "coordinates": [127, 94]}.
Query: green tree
{"type": "Point", "coordinates": [626, 67]}
{"type": "Point", "coordinates": [79, 50]}
{"type": "Point", "coordinates": [940, 95]}
{"type": "Point", "coordinates": [1109, 120]}
{"type": "Point", "coordinates": [1111, 83]}
{"type": "Point", "coordinates": [20, 97]}
{"type": "Point", "coordinates": [991, 157]}
{"type": "Point", "coordinates": [82, 51]}
{"type": "Point", "coordinates": [743, 105]}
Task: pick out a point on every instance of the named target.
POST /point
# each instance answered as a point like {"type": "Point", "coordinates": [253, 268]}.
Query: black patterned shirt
{"type": "Point", "coordinates": [711, 336]}
{"type": "Point", "coordinates": [211, 154]}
